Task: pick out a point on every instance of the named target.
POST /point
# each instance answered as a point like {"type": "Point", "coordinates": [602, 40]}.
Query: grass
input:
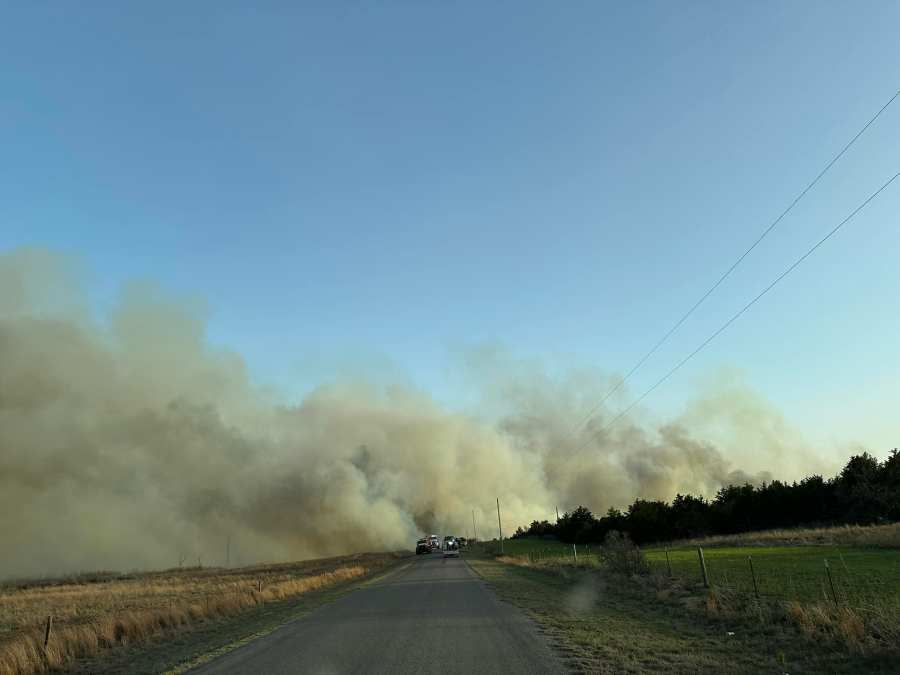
{"type": "Point", "coordinates": [789, 564]}
{"type": "Point", "coordinates": [793, 572]}
{"type": "Point", "coordinates": [856, 611]}
{"type": "Point", "coordinates": [524, 547]}
{"type": "Point", "coordinates": [858, 536]}
{"type": "Point", "coordinates": [855, 536]}
{"type": "Point", "coordinates": [94, 613]}
{"type": "Point", "coordinates": [603, 623]}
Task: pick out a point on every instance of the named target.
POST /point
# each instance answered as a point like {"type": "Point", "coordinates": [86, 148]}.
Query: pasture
{"type": "Point", "coordinates": [791, 572]}
{"type": "Point", "coordinates": [845, 596]}
{"type": "Point", "coordinates": [784, 572]}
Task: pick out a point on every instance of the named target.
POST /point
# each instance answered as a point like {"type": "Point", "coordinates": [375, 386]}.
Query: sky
{"type": "Point", "coordinates": [377, 188]}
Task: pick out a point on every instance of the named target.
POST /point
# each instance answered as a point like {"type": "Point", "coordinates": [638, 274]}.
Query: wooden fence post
{"type": "Point", "coordinates": [575, 554]}
{"type": "Point", "coordinates": [47, 630]}
{"type": "Point", "coordinates": [668, 563]}
{"type": "Point", "coordinates": [831, 582]}
{"type": "Point", "coordinates": [500, 525]}
{"type": "Point", "coordinates": [753, 574]}
{"type": "Point", "coordinates": [703, 567]}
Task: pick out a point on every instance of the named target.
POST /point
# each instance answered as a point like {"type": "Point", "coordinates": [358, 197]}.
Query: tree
{"type": "Point", "coordinates": [690, 517]}
{"type": "Point", "coordinates": [889, 479]}
{"type": "Point", "coordinates": [859, 493]}
{"type": "Point", "coordinates": [573, 527]}
{"type": "Point", "coordinates": [866, 491]}
{"type": "Point", "coordinates": [648, 521]}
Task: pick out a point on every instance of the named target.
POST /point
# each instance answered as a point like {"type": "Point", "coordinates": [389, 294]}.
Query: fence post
{"type": "Point", "coordinates": [703, 567]}
{"type": "Point", "coordinates": [668, 563]}
{"type": "Point", "coordinates": [499, 525]}
{"type": "Point", "coordinates": [47, 630]}
{"type": "Point", "coordinates": [831, 582]}
{"type": "Point", "coordinates": [574, 554]}
{"type": "Point", "coordinates": [753, 574]}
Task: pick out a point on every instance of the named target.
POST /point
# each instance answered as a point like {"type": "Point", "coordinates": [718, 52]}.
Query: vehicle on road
{"type": "Point", "coordinates": [434, 542]}
{"type": "Point", "coordinates": [451, 546]}
{"type": "Point", "coordinates": [423, 546]}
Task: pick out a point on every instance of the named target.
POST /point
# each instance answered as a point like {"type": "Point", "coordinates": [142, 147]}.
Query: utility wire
{"type": "Point", "coordinates": [747, 306]}
{"type": "Point", "coordinates": [594, 410]}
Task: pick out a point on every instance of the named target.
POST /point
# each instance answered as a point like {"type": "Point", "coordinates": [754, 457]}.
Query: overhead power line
{"type": "Point", "coordinates": [596, 408]}
{"type": "Point", "coordinates": [750, 304]}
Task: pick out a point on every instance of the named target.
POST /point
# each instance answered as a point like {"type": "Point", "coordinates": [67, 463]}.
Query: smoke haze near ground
{"type": "Point", "coordinates": [132, 443]}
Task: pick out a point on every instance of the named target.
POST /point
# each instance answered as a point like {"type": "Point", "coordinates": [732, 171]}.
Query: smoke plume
{"type": "Point", "coordinates": [129, 442]}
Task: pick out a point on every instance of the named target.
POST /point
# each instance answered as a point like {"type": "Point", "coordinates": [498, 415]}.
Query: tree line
{"type": "Point", "coordinates": [866, 491]}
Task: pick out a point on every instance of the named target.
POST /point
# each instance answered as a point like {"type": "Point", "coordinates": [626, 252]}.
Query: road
{"type": "Point", "coordinates": [434, 615]}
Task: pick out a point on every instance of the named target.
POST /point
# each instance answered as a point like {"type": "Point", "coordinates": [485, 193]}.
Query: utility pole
{"type": "Point", "coordinates": [474, 531]}
{"type": "Point", "coordinates": [228, 551]}
{"type": "Point", "coordinates": [557, 514]}
{"type": "Point", "coordinates": [500, 525]}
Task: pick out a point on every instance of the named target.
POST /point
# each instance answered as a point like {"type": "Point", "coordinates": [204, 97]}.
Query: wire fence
{"type": "Point", "coordinates": [803, 574]}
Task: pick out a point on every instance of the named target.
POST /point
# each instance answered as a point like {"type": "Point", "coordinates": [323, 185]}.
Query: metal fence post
{"type": "Point", "coordinates": [703, 567]}
{"type": "Point", "coordinates": [831, 582]}
{"type": "Point", "coordinates": [753, 574]}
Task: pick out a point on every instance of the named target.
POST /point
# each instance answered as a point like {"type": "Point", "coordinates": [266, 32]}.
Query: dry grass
{"type": "Point", "coordinates": [870, 626]}
{"type": "Point", "coordinates": [859, 619]}
{"type": "Point", "coordinates": [605, 623]}
{"type": "Point", "coordinates": [555, 565]}
{"type": "Point", "coordinates": [863, 536]}
{"type": "Point", "coordinates": [108, 610]}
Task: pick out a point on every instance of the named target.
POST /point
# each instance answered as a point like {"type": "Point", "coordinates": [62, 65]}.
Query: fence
{"type": "Point", "coordinates": [844, 577]}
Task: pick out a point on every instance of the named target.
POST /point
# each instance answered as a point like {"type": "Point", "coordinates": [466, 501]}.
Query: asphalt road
{"type": "Point", "coordinates": [433, 616]}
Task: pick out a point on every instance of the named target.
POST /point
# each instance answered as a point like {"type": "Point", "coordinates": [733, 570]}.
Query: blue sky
{"type": "Point", "coordinates": [373, 187]}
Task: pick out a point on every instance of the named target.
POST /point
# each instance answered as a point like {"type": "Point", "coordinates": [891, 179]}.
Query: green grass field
{"type": "Point", "coordinates": [782, 572]}
{"type": "Point", "coordinates": [793, 572]}
{"type": "Point", "coordinates": [602, 624]}
{"type": "Point", "coordinates": [546, 547]}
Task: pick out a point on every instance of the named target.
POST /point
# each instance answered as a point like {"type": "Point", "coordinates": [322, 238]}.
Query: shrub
{"type": "Point", "coordinates": [621, 555]}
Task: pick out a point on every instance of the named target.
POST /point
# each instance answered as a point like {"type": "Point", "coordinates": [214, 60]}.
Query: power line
{"type": "Point", "coordinates": [748, 305]}
{"type": "Point", "coordinates": [595, 409]}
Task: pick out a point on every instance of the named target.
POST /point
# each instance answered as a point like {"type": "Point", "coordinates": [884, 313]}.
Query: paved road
{"type": "Point", "coordinates": [434, 616]}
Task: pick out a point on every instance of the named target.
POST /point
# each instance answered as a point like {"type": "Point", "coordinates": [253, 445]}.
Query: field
{"type": "Point", "coordinates": [93, 613]}
{"type": "Point", "coordinates": [856, 536]}
{"type": "Point", "coordinates": [850, 607]}
{"type": "Point", "coordinates": [789, 564]}
{"type": "Point", "coordinates": [793, 572]}
{"type": "Point", "coordinates": [601, 623]}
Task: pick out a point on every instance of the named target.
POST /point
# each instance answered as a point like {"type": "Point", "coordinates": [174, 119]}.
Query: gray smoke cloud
{"type": "Point", "coordinates": [130, 442]}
